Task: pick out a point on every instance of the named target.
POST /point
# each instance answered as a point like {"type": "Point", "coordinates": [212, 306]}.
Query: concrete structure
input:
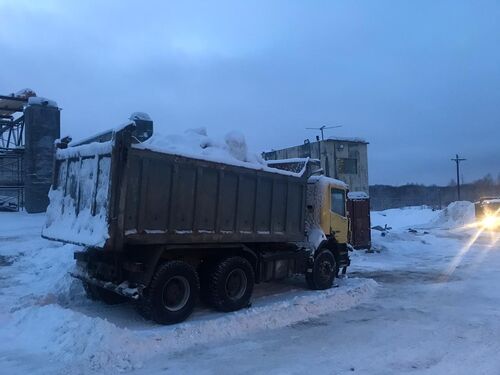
{"type": "Point", "coordinates": [342, 158]}
{"type": "Point", "coordinates": [42, 124]}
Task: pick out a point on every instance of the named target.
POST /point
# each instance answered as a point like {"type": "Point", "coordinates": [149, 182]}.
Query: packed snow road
{"type": "Point", "coordinates": [424, 302]}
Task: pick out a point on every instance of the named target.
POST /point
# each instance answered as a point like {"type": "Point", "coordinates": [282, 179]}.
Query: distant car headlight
{"type": "Point", "coordinates": [491, 222]}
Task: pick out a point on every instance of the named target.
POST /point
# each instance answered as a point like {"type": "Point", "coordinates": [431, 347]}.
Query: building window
{"type": "Point", "coordinates": [347, 165]}
{"type": "Point", "coordinates": [338, 201]}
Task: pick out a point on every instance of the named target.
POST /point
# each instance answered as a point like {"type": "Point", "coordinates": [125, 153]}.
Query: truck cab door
{"type": "Point", "coordinates": [339, 223]}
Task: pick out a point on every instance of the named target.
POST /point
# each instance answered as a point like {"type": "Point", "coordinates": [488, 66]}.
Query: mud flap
{"type": "Point", "coordinates": [123, 289]}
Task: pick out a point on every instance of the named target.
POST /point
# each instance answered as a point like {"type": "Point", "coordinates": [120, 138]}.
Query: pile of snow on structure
{"type": "Point", "coordinates": [39, 100]}
{"type": "Point", "coordinates": [457, 214]}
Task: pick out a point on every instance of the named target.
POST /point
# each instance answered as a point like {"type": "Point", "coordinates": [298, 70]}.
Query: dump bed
{"type": "Point", "coordinates": [116, 193]}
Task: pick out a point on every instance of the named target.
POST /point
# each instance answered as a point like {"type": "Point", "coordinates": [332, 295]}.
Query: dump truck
{"type": "Point", "coordinates": [167, 230]}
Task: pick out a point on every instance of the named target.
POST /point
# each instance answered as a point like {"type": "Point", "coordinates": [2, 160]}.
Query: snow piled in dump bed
{"type": "Point", "coordinates": [195, 143]}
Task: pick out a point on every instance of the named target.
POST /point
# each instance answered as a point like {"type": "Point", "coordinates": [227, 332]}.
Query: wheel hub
{"type": "Point", "coordinates": [236, 284]}
{"type": "Point", "coordinates": [325, 269]}
{"type": "Point", "coordinates": [176, 293]}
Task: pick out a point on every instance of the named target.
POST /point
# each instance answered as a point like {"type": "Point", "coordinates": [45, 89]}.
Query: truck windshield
{"type": "Point", "coordinates": [338, 201]}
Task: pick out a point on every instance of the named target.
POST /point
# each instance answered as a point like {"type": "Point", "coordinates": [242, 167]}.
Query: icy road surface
{"type": "Point", "coordinates": [419, 304]}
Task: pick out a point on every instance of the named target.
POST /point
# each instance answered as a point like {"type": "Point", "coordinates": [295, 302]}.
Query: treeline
{"type": "Point", "coordinates": [384, 196]}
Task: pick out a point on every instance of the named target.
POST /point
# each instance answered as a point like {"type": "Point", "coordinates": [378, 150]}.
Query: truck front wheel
{"type": "Point", "coordinates": [230, 284]}
{"type": "Point", "coordinates": [172, 294]}
{"type": "Point", "coordinates": [322, 272]}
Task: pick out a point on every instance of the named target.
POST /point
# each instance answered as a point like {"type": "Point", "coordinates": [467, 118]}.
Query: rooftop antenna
{"type": "Point", "coordinates": [322, 128]}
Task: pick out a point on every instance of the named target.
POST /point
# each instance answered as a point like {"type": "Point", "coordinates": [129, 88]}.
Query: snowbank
{"type": "Point", "coordinates": [44, 313]}
{"type": "Point", "coordinates": [69, 336]}
{"type": "Point", "coordinates": [457, 214]}
{"type": "Point", "coordinates": [399, 218]}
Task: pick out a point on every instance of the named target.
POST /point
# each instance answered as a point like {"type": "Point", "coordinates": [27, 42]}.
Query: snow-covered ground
{"type": "Point", "coordinates": [419, 303]}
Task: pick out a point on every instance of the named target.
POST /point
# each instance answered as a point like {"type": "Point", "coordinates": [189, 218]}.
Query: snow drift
{"type": "Point", "coordinates": [80, 334]}
{"type": "Point", "coordinates": [68, 335]}
{"type": "Point", "coordinates": [457, 214]}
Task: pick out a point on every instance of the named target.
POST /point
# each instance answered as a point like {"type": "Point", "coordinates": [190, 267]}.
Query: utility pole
{"type": "Point", "coordinates": [457, 160]}
{"type": "Point", "coordinates": [322, 128]}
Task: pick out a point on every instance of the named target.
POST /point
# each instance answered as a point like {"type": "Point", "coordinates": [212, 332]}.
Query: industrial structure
{"type": "Point", "coordinates": [29, 125]}
{"type": "Point", "coordinates": [343, 158]}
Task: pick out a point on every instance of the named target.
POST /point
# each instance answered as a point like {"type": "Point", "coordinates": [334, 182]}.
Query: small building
{"type": "Point", "coordinates": [343, 158]}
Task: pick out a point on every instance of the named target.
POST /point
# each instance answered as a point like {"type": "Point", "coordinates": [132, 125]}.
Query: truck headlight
{"type": "Point", "coordinates": [491, 222]}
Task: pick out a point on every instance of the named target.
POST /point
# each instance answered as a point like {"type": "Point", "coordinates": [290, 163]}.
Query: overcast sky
{"type": "Point", "coordinates": [420, 80]}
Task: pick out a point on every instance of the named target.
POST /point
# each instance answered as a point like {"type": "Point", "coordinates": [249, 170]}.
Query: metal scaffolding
{"type": "Point", "coordinates": [11, 152]}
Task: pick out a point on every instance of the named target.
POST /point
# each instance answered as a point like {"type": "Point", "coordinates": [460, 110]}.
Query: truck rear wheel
{"type": "Point", "coordinates": [323, 272]}
{"type": "Point", "coordinates": [172, 294]}
{"type": "Point", "coordinates": [230, 284]}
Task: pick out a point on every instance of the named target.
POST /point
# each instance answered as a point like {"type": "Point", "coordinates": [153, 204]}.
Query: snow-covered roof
{"type": "Point", "coordinates": [347, 139]}
{"type": "Point", "coordinates": [39, 100]}
{"type": "Point", "coordinates": [357, 195]}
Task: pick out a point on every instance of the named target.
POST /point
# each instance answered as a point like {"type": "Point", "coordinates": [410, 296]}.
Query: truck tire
{"type": "Point", "coordinates": [230, 284]}
{"type": "Point", "coordinates": [172, 294]}
{"type": "Point", "coordinates": [323, 272]}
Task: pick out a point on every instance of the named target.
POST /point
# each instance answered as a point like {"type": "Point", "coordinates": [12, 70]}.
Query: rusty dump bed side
{"type": "Point", "coordinates": [110, 195]}
{"type": "Point", "coordinates": [175, 199]}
